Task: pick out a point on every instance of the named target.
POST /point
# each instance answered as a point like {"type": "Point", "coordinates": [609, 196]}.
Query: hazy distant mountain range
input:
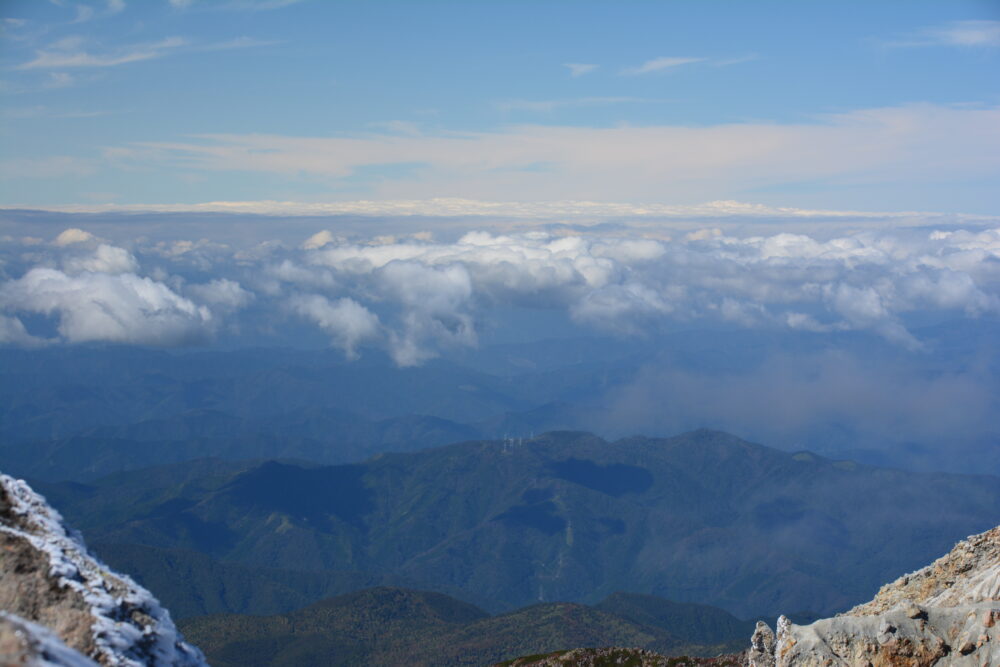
{"type": "Point", "coordinates": [85, 412]}
{"type": "Point", "coordinates": [565, 516]}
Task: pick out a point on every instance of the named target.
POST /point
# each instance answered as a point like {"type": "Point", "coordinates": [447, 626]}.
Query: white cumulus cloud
{"type": "Point", "coordinates": [71, 236]}
{"type": "Point", "coordinates": [12, 332]}
{"type": "Point", "coordinates": [104, 259]}
{"type": "Point", "coordinates": [222, 293]}
{"type": "Point", "coordinates": [346, 321]}
{"type": "Point", "coordinates": [121, 308]}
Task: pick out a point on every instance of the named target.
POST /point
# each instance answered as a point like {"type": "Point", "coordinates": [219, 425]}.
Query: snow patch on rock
{"type": "Point", "coordinates": [130, 628]}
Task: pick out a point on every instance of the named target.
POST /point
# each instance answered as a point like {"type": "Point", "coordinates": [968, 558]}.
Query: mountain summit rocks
{"type": "Point", "coordinates": [947, 613]}
{"type": "Point", "coordinates": [61, 604]}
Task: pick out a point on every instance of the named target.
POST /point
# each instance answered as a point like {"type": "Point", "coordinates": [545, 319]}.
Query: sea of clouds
{"type": "Point", "coordinates": [414, 296]}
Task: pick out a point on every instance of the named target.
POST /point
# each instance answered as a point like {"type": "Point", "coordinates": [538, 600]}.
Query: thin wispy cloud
{"type": "Point", "coordinates": [56, 166]}
{"type": "Point", "coordinates": [579, 69]}
{"type": "Point", "coordinates": [67, 53]}
{"type": "Point", "coordinates": [969, 34]}
{"type": "Point", "coordinates": [55, 80]}
{"type": "Point", "coordinates": [237, 43]}
{"type": "Point", "coordinates": [60, 56]}
{"type": "Point", "coordinates": [404, 127]}
{"type": "Point", "coordinates": [48, 112]}
{"type": "Point", "coordinates": [660, 64]}
{"type": "Point", "coordinates": [548, 106]}
{"type": "Point", "coordinates": [262, 5]}
{"type": "Point", "coordinates": [726, 62]}
{"type": "Point", "coordinates": [242, 5]}
{"type": "Point", "coordinates": [873, 146]}
{"type": "Point", "coordinates": [84, 13]}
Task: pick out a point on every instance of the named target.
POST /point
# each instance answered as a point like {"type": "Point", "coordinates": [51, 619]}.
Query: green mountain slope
{"type": "Point", "coordinates": [189, 583]}
{"type": "Point", "coordinates": [390, 626]}
{"type": "Point", "coordinates": [701, 517]}
{"type": "Point", "coordinates": [346, 630]}
{"type": "Point", "coordinates": [697, 623]}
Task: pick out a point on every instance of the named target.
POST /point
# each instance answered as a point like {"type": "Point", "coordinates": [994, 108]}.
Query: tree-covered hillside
{"type": "Point", "coordinates": [703, 517]}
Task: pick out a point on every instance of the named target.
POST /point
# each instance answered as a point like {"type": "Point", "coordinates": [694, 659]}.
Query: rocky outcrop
{"type": "Point", "coordinates": [57, 595]}
{"type": "Point", "coordinates": [25, 643]}
{"type": "Point", "coordinates": [947, 613]}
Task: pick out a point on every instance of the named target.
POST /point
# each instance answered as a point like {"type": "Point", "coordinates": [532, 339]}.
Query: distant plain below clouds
{"type": "Point", "coordinates": [417, 296]}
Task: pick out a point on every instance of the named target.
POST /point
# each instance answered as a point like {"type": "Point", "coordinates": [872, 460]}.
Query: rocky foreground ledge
{"type": "Point", "coordinates": [61, 606]}
{"type": "Point", "coordinates": [947, 613]}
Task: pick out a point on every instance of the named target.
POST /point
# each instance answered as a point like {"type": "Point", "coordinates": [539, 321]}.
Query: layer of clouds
{"type": "Point", "coordinates": [416, 298]}
{"type": "Point", "coordinates": [450, 213]}
{"type": "Point", "coordinates": [911, 144]}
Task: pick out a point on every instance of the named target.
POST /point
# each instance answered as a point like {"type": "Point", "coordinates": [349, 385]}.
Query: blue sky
{"type": "Point", "coordinates": [851, 105]}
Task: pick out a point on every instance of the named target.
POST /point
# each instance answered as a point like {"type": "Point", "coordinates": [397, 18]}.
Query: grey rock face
{"type": "Point", "coordinates": [47, 578]}
{"type": "Point", "coordinates": [947, 613]}
{"type": "Point", "coordinates": [762, 644]}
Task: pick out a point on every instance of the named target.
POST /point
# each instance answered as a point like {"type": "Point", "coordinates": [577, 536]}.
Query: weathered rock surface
{"type": "Point", "coordinates": [25, 643]}
{"type": "Point", "coordinates": [947, 613]}
{"type": "Point", "coordinates": [48, 579]}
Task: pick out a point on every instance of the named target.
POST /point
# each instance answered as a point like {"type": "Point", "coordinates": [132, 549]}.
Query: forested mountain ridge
{"type": "Point", "coordinates": [393, 626]}
{"type": "Point", "coordinates": [700, 517]}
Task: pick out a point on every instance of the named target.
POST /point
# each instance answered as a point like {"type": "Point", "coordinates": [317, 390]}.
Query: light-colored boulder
{"type": "Point", "coordinates": [944, 614]}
